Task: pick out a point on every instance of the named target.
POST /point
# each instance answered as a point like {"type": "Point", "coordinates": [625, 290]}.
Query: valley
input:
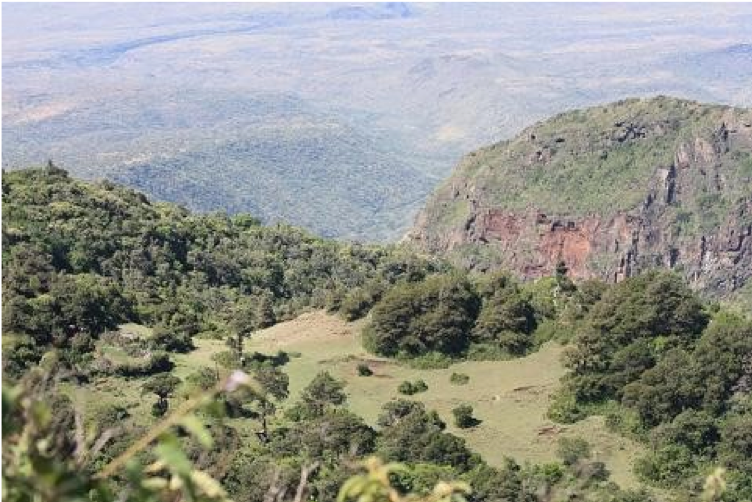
{"type": "Point", "coordinates": [383, 252]}
{"type": "Point", "coordinates": [356, 98]}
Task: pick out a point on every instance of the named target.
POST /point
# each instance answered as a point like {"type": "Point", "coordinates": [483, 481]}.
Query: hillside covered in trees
{"type": "Point", "coordinates": [106, 289]}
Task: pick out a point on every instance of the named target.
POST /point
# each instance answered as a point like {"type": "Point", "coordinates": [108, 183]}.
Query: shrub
{"type": "Point", "coordinates": [364, 370]}
{"type": "Point", "coordinates": [409, 388]}
{"type": "Point", "coordinates": [666, 467]}
{"type": "Point", "coordinates": [159, 408]}
{"type": "Point", "coordinates": [171, 341]}
{"type": "Point", "coordinates": [508, 319]}
{"type": "Point", "coordinates": [356, 304]}
{"type": "Point", "coordinates": [572, 450]}
{"type": "Point", "coordinates": [158, 362]}
{"type": "Point", "coordinates": [463, 416]}
{"type": "Point", "coordinates": [564, 408]}
{"type": "Point", "coordinates": [459, 379]}
{"type": "Point", "coordinates": [406, 388]}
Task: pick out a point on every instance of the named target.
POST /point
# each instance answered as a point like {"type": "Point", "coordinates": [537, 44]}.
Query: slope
{"type": "Point", "coordinates": [611, 191]}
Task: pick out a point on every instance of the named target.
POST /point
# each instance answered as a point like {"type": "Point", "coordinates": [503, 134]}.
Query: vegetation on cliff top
{"type": "Point", "coordinates": [593, 161]}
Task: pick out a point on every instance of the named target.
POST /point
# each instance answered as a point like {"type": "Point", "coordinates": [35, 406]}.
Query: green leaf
{"type": "Point", "coordinates": [169, 451]}
{"type": "Point", "coordinates": [198, 430]}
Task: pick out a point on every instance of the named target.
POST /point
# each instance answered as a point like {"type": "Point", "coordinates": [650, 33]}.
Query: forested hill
{"type": "Point", "coordinates": [96, 254]}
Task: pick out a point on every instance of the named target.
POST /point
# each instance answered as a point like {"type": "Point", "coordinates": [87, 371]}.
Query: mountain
{"type": "Point", "coordinates": [610, 191]}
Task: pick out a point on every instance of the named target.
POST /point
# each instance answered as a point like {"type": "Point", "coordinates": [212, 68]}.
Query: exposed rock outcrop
{"type": "Point", "coordinates": [674, 191]}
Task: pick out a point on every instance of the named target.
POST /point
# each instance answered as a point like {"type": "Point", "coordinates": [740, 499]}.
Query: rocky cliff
{"type": "Point", "coordinates": [611, 191]}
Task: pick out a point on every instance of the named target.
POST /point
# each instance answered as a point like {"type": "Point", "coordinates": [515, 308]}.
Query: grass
{"type": "Point", "coordinates": [509, 398]}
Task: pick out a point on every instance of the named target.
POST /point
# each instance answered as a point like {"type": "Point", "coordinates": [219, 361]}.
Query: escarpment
{"type": "Point", "coordinates": [611, 191]}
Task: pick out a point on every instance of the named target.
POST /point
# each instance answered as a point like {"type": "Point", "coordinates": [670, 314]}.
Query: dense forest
{"type": "Point", "coordinates": [80, 260]}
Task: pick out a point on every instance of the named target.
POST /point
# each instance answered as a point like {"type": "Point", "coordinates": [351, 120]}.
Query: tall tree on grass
{"type": "Point", "coordinates": [243, 322]}
{"type": "Point", "coordinates": [163, 386]}
{"type": "Point", "coordinates": [273, 388]}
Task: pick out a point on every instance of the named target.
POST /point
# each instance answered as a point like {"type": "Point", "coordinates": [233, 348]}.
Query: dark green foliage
{"type": "Point", "coordinates": [507, 319]}
{"type": "Point", "coordinates": [157, 362]}
{"type": "Point", "coordinates": [459, 379]}
{"type": "Point", "coordinates": [735, 447]}
{"type": "Point", "coordinates": [397, 409]}
{"type": "Point", "coordinates": [675, 379]}
{"type": "Point", "coordinates": [628, 327]}
{"type": "Point", "coordinates": [358, 302]}
{"type": "Point", "coordinates": [664, 391]}
{"type": "Point", "coordinates": [161, 385]}
{"type": "Point", "coordinates": [82, 258]}
{"type": "Point", "coordinates": [695, 430]}
{"type": "Point", "coordinates": [171, 341]}
{"type": "Point", "coordinates": [415, 318]}
{"type": "Point", "coordinates": [336, 432]}
{"type": "Point", "coordinates": [490, 483]}
{"type": "Point", "coordinates": [203, 378]}
{"type": "Point", "coordinates": [159, 408]}
{"type": "Point", "coordinates": [411, 434]}
{"type": "Point", "coordinates": [463, 417]}
{"type": "Point", "coordinates": [409, 388]}
{"type": "Point", "coordinates": [321, 394]}
{"type": "Point", "coordinates": [572, 450]}
{"type": "Point", "coordinates": [364, 370]}
{"type": "Point", "coordinates": [666, 467]}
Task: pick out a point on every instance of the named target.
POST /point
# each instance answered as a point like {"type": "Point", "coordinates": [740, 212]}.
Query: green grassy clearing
{"type": "Point", "coordinates": [509, 397]}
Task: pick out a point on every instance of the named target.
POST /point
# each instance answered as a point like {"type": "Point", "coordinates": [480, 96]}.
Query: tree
{"type": "Point", "coordinates": [463, 416]}
{"type": "Point", "coordinates": [170, 340]}
{"type": "Point", "coordinates": [323, 392]}
{"type": "Point", "coordinates": [412, 434]}
{"type": "Point", "coordinates": [633, 324]}
{"type": "Point", "coordinates": [416, 318]}
{"type": "Point", "coordinates": [572, 450]}
{"type": "Point", "coordinates": [274, 387]}
{"type": "Point", "coordinates": [265, 316]}
{"type": "Point", "coordinates": [243, 323]}
{"type": "Point", "coordinates": [163, 386]}
{"type": "Point", "coordinates": [507, 319]}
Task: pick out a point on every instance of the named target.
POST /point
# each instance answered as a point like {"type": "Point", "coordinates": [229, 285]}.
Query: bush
{"type": "Point", "coordinates": [159, 408]}
{"type": "Point", "coordinates": [406, 388]}
{"type": "Point", "coordinates": [364, 370]}
{"type": "Point", "coordinates": [463, 416]}
{"type": "Point", "coordinates": [564, 408]}
{"type": "Point", "coordinates": [158, 362]}
{"type": "Point", "coordinates": [170, 341]}
{"type": "Point", "coordinates": [572, 450]}
{"type": "Point", "coordinates": [410, 388]}
{"type": "Point", "coordinates": [356, 304]}
{"type": "Point", "coordinates": [666, 467]}
{"type": "Point", "coordinates": [507, 319]}
{"type": "Point", "coordinates": [429, 361]}
{"type": "Point", "coordinates": [459, 379]}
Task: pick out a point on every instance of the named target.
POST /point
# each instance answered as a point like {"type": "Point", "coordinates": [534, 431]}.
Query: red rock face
{"type": "Point", "coordinates": [532, 244]}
